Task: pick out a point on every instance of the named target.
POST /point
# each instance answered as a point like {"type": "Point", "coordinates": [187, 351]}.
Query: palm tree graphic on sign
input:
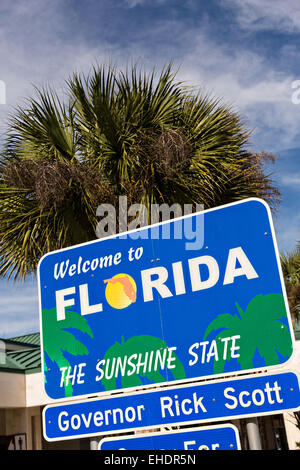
{"type": "Point", "coordinates": [261, 328]}
{"type": "Point", "coordinates": [58, 340]}
{"type": "Point", "coordinates": [140, 345]}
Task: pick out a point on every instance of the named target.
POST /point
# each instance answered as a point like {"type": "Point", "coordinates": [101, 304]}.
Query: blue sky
{"type": "Point", "coordinates": [245, 51]}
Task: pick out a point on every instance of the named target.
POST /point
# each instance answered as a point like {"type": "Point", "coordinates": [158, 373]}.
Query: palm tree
{"type": "Point", "coordinates": [272, 338]}
{"type": "Point", "coordinates": [143, 344]}
{"type": "Point", "coordinates": [60, 341]}
{"type": "Point", "coordinates": [116, 133]}
{"type": "Point", "coordinates": [290, 263]}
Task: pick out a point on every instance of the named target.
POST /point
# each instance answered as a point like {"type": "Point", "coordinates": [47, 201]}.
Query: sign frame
{"type": "Point", "coordinates": [172, 383]}
{"type": "Point", "coordinates": [175, 431]}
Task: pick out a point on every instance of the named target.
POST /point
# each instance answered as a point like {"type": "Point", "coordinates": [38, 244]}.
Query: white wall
{"type": "Point", "coordinates": [35, 395]}
{"type": "Point", "coordinates": [12, 390]}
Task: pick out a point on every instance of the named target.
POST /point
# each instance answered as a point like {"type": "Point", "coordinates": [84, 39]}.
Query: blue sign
{"type": "Point", "coordinates": [211, 401]}
{"type": "Point", "coordinates": [191, 298]}
{"type": "Point", "coordinates": [219, 437]}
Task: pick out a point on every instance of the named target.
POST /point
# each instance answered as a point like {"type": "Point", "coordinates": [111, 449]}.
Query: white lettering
{"type": "Point", "coordinates": [213, 272]}
{"type": "Point", "coordinates": [246, 268]}
{"type": "Point", "coordinates": [159, 284]}
{"type": "Point", "coordinates": [62, 303]}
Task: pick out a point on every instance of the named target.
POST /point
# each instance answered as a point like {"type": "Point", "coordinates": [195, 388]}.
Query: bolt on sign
{"type": "Point", "coordinates": [151, 307]}
{"type": "Point", "coordinates": [219, 437]}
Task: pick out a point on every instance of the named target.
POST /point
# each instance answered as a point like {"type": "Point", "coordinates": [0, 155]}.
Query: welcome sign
{"type": "Point", "coordinates": [150, 307]}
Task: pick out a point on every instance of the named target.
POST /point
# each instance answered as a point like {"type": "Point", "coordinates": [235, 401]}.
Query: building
{"type": "Point", "coordinates": [22, 399]}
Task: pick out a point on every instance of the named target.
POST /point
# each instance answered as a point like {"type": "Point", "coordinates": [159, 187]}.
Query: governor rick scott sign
{"type": "Point", "coordinates": [194, 297]}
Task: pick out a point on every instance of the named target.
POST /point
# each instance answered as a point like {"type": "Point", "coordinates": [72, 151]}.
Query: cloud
{"type": "Point", "coordinates": [287, 177]}
{"type": "Point", "coordinates": [38, 47]}
{"type": "Point", "coordinates": [291, 180]}
{"type": "Point", "coordinates": [43, 47]}
{"type": "Point", "coordinates": [261, 94]}
{"type": "Point", "coordinates": [260, 15]}
{"type": "Point", "coordinates": [287, 228]}
{"type": "Point", "coordinates": [134, 3]}
{"type": "Point", "coordinates": [18, 308]}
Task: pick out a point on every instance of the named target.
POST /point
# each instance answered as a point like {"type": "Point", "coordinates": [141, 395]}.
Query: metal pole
{"type": "Point", "coordinates": [253, 434]}
{"type": "Point", "coordinates": [94, 443]}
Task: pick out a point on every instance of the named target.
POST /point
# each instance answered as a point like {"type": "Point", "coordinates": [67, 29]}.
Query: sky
{"type": "Point", "coordinates": [243, 51]}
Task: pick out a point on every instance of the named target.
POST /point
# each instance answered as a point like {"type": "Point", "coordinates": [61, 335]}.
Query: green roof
{"type": "Point", "coordinates": [25, 360]}
{"type": "Point", "coordinates": [32, 339]}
